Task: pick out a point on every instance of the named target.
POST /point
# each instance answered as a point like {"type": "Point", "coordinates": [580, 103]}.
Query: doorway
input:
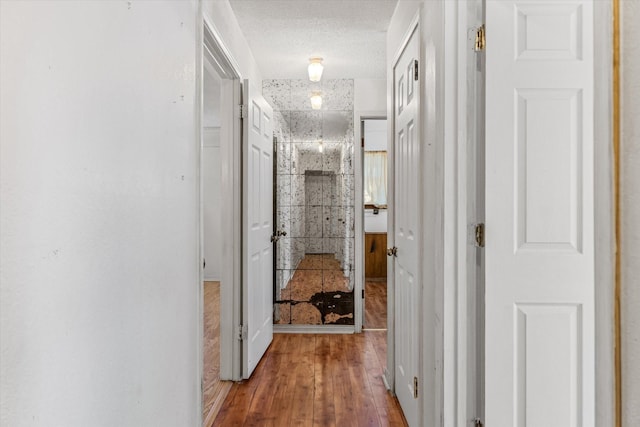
{"type": "Point", "coordinates": [213, 389]}
{"type": "Point", "coordinates": [220, 161]}
{"type": "Point", "coordinates": [374, 183]}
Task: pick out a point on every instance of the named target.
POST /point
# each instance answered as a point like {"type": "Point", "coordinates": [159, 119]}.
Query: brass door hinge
{"type": "Point", "coordinates": [415, 387]}
{"type": "Point", "coordinates": [481, 41]}
{"type": "Point", "coordinates": [241, 332]}
{"type": "Point", "coordinates": [477, 422]}
{"type": "Point", "coordinates": [243, 111]}
{"type": "Point", "coordinates": [416, 73]}
{"type": "Point", "coordinates": [479, 235]}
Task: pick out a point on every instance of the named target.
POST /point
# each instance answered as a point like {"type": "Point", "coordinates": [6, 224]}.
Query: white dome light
{"type": "Point", "coordinates": [315, 68]}
{"type": "Point", "coordinates": [316, 101]}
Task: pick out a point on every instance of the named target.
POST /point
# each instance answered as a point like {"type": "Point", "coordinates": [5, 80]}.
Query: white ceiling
{"type": "Point", "coordinates": [349, 34]}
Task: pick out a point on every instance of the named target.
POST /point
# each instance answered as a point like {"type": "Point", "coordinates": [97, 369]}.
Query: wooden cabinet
{"type": "Point", "coordinates": [375, 255]}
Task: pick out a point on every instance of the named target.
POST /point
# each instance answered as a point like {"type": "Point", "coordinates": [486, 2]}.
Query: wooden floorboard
{"type": "Point", "coordinates": [214, 391]}
{"type": "Point", "coordinates": [315, 380]}
{"type": "Point", "coordinates": [375, 304]}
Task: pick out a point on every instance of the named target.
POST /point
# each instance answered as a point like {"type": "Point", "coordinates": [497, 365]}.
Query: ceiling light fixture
{"type": "Point", "coordinates": [315, 68]}
{"type": "Point", "coordinates": [316, 100]}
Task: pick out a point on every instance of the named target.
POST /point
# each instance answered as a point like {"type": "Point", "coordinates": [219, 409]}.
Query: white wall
{"type": "Point", "coordinates": [630, 199]}
{"type": "Point", "coordinates": [211, 94]}
{"type": "Point", "coordinates": [211, 208]}
{"type": "Point", "coordinates": [99, 221]}
{"type": "Point", "coordinates": [211, 172]}
{"type": "Point", "coordinates": [369, 95]}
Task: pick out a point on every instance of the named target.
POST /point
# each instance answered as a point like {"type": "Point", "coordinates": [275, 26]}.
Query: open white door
{"type": "Point", "coordinates": [257, 212]}
{"type": "Point", "coordinates": [406, 228]}
{"type": "Point", "coordinates": [539, 214]}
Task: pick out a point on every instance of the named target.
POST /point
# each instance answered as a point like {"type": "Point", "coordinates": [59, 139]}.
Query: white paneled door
{"type": "Point", "coordinates": [257, 252]}
{"type": "Point", "coordinates": [539, 362]}
{"type": "Point", "coordinates": [406, 228]}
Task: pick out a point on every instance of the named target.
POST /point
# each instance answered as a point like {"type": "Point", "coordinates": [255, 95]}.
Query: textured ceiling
{"type": "Point", "coordinates": [349, 34]}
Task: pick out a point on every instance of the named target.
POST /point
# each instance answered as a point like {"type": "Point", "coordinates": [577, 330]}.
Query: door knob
{"type": "Point", "coordinates": [274, 238]}
{"type": "Point", "coordinates": [392, 251]}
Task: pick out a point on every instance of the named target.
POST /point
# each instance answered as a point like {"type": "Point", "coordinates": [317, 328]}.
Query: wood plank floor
{"type": "Point", "coordinates": [316, 380]}
{"type": "Point", "coordinates": [214, 391]}
{"type": "Point", "coordinates": [375, 304]}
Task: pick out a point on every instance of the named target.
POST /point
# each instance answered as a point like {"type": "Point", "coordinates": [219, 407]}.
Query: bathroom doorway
{"type": "Point", "coordinates": [374, 182]}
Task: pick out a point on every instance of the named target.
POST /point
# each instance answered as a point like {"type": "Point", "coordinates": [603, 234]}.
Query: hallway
{"type": "Point", "coordinates": [316, 380]}
{"type": "Point", "coordinates": [519, 245]}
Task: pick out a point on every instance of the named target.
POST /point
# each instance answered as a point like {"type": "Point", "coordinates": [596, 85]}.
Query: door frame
{"type": "Point", "coordinates": [604, 217]}
{"type": "Point", "coordinates": [212, 47]}
{"type": "Point", "coordinates": [359, 118]}
{"type": "Point", "coordinates": [460, 272]}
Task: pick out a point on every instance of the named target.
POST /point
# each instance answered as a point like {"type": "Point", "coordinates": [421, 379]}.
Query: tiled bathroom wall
{"type": "Point", "coordinates": [315, 201]}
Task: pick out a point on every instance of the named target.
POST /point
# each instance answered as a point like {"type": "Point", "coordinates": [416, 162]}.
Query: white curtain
{"type": "Point", "coordinates": [375, 177]}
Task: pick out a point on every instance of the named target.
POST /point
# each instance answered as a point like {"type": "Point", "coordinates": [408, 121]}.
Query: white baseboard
{"type": "Point", "coordinates": [211, 279]}
{"type": "Point", "coordinates": [313, 329]}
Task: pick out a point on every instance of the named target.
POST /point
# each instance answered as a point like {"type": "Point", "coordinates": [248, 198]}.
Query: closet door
{"type": "Point", "coordinates": [539, 214]}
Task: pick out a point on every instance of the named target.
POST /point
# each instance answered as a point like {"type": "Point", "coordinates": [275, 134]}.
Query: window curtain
{"type": "Point", "coordinates": [375, 177]}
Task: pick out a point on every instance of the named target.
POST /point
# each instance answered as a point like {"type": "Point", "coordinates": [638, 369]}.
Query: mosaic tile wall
{"type": "Point", "coordinates": [315, 201]}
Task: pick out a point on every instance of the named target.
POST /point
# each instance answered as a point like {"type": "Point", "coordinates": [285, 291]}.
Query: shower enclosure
{"type": "Point", "coordinates": [314, 200]}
